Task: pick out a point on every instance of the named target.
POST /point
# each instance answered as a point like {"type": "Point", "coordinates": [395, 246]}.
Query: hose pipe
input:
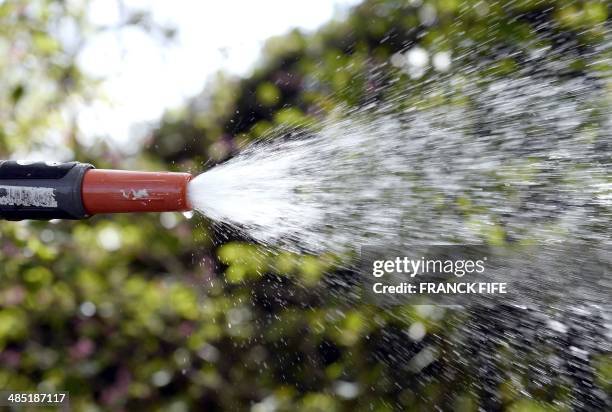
{"type": "Point", "coordinates": [48, 190]}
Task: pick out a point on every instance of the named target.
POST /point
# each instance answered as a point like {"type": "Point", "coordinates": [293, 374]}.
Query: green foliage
{"type": "Point", "coordinates": [38, 74]}
{"type": "Point", "coordinates": [162, 313]}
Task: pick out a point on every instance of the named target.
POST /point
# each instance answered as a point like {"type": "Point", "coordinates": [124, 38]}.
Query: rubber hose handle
{"type": "Point", "coordinates": [41, 190]}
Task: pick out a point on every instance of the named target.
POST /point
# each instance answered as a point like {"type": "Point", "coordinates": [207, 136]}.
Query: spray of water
{"type": "Point", "coordinates": [518, 157]}
{"type": "Point", "coordinates": [462, 158]}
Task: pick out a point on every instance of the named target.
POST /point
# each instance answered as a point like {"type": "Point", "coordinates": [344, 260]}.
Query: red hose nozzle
{"type": "Point", "coordinates": [73, 190]}
{"type": "Point", "coordinates": [118, 191]}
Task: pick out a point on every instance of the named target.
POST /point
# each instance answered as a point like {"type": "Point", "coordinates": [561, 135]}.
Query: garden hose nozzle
{"type": "Point", "coordinates": [49, 190]}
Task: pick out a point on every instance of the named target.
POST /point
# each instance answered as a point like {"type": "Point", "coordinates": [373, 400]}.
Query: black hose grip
{"type": "Point", "coordinates": [41, 190]}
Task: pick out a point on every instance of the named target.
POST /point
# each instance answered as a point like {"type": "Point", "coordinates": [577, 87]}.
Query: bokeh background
{"type": "Point", "coordinates": [168, 312]}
